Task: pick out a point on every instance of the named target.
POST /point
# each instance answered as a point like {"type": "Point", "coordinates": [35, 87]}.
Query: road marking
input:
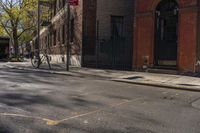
{"type": "Point", "coordinates": [19, 115]}
{"type": "Point", "coordinates": [48, 121]}
{"type": "Point", "coordinates": [51, 122]}
{"type": "Point", "coordinates": [98, 110]}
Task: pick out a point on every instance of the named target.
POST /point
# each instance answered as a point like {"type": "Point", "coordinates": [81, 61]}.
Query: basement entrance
{"type": "Point", "coordinates": [166, 27]}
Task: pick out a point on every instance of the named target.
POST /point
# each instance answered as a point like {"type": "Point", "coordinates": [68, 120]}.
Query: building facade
{"type": "Point", "coordinates": [167, 34]}
{"type": "Point", "coordinates": [53, 37]}
{"type": "Point", "coordinates": [108, 33]}
{"type": "Point", "coordinates": [102, 34]}
{"type": "Point", "coordinates": [127, 35]}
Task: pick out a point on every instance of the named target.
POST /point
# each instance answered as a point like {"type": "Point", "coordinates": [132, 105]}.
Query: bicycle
{"type": "Point", "coordinates": [38, 59]}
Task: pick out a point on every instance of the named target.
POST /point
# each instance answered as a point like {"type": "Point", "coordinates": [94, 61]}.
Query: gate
{"type": "Point", "coordinates": [115, 52]}
{"type": "Point", "coordinates": [111, 51]}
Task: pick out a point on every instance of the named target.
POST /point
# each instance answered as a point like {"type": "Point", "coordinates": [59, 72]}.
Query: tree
{"type": "Point", "coordinates": [2, 31]}
{"type": "Point", "coordinates": [17, 19]}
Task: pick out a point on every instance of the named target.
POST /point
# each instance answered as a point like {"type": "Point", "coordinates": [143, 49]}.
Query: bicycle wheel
{"type": "Point", "coordinates": [35, 61]}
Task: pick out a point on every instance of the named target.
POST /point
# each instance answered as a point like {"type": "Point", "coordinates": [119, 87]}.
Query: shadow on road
{"type": "Point", "coordinates": [4, 129]}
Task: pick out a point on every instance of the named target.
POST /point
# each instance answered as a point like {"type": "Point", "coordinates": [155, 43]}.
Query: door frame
{"type": "Point", "coordinates": [155, 59]}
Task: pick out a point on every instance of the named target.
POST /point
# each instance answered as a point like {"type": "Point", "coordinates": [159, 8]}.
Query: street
{"type": "Point", "coordinates": [35, 102]}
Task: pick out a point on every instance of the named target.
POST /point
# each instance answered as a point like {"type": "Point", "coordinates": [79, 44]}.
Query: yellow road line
{"type": "Point", "coordinates": [98, 110]}
{"type": "Point", "coordinates": [18, 115]}
{"type": "Point", "coordinates": [48, 121]}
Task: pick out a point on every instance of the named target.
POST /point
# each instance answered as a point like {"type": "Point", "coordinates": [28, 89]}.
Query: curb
{"type": "Point", "coordinates": [79, 74]}
{"type": "Point", "coordinates": [74, 74]}
{"type": "Point", "coordinates": [40, 70]}
{"type": "Point", "coordinates": [176, 87]}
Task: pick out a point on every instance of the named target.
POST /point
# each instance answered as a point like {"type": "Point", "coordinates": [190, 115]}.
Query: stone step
{"type": "Point", "coordinates": [162, 71]}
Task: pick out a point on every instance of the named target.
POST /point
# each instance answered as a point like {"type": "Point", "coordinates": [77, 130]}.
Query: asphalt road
{"type": "Point", "coordinates": [33, 102]}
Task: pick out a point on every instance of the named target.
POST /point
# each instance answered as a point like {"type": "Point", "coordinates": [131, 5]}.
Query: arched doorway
{"type": "Point", "coordinates": [166, 34]}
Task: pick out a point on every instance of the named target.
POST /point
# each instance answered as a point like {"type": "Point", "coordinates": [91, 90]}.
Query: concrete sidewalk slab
{"type": "Point", "coordinates": [160, 84]}
{"type": "Point", "coordinates": [142, 78]}
{"type": "Point", "coordinates": [163, 80]}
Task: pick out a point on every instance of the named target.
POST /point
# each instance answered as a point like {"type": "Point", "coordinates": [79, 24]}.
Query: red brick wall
{"type": "Point", "coordinates": [198, 41]}
{"type": "Point", "coordinates": [144, 33]}
{"type": "Point", "coordinates": [187, 41]}
{"type": "Point", "coordinates": [144, 39]}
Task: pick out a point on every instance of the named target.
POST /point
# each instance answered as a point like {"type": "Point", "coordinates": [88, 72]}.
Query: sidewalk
{"type": "Point", "coordinates": [141, 78]}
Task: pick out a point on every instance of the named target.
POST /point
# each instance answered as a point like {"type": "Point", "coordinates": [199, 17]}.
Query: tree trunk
{"type": "Point", "coordinates": [16, 51]}
{"type": "Point", "coordinates": [15, 41]}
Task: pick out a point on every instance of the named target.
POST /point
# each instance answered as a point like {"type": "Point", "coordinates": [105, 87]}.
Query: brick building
{"type": "Point", "coordinates": [53, 36]}
{"type": "Point", "coordinates": [167, 34]}
{"type": "Point", "coordinates": [128, 34]}
{"type": "Point", "coordinates": [103, 32]}
{"type": "Point", "coordinates": [108, 33]}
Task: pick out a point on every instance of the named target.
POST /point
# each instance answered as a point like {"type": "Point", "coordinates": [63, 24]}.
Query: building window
{"type": "Point", "coordinates": [46, 41]}
{"type": "Point", "coordinates": [57, 5]}
{"type": "Point", "coordinates": [54, 7]}
{"type": "Point", "coordinates": [60, 4]}
{"type": "Point", "coordinates": [59, 35]}
{"type": "Point", "coordinates": [51, 39]}
{"type": "Point", "coordinates": [41, 43]}
{"type": "Point", "coordinates": [63, 34]}
{"type": "Point", "coordinates": [54, 37]}
{"type": "Point", "coordinates": [63, 2]}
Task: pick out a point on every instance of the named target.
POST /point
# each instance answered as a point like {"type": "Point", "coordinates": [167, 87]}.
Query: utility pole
{"type": "Point", "coordinates": [37, 47]}
{"type": "Point", "coordinates": [67, 20]}
{"type": "Point", "coordinates": [68, 36]}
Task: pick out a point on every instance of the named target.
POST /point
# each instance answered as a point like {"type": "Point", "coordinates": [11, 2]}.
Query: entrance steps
{"type": "Point", "coordinates": [163, 71]}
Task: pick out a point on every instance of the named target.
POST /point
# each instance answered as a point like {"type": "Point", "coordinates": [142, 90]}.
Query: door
{"type": "Point", "coordinates": [166, 33]}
